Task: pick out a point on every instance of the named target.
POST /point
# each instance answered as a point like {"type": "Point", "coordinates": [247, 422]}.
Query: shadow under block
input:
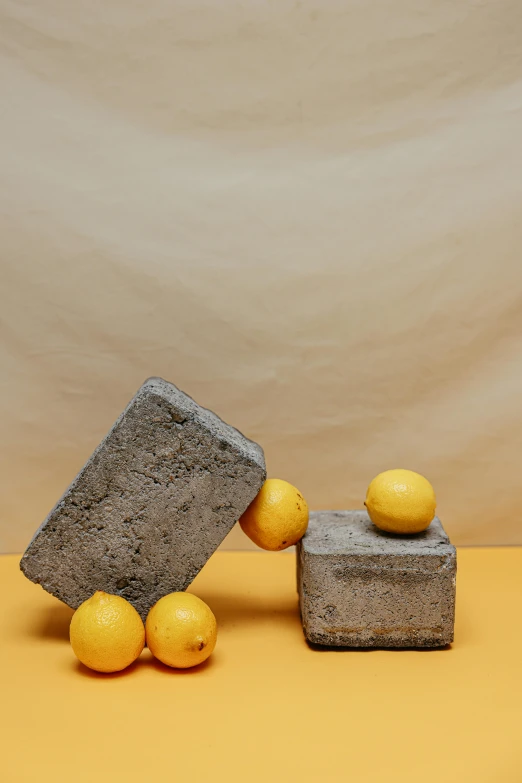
{"type": "Point", "coordinates": [151, 505]}
{"type": "Point", "coordinates": [361, 587]}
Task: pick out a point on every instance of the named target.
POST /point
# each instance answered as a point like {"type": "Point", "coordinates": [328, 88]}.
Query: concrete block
{"type": "Point", "coordinates": [151, 505]}
{"type": "Point", "coordinates": [361, 587]}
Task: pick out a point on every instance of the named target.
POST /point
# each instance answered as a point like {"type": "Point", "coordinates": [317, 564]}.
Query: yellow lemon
{"type": "Point", "coordinates": [181, 630]}
{"type": "Point", "coordinates": [107, 634]}
{"type": "Point", "coordinates": [401, 501]}
{"type": "Point", "coordinates": [278, 517]}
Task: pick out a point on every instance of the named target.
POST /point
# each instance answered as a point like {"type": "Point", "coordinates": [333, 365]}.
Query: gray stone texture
{"type": "Point", "coordinates": [151, 505]}
{"type": "Point", "coordinates": [361, 587]}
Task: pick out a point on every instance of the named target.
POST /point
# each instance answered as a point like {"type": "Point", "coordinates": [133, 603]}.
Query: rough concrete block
{"type": "Point", "coordinates": [361, 587]}
{"type": "Point", "coordinates": [151, 505]}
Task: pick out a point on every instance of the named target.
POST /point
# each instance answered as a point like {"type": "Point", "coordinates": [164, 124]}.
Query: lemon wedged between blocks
{"type": "Point", "coordinates": [106, 632]}
{"type": "Point", "coordinates": [277, 517]}
{"type": "Point", "coordinates": [181, 630]}
{"type": "Point", "coordinates": [401, 501]}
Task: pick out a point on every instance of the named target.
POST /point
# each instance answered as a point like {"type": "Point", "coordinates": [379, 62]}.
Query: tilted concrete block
{"type": "Point", "coordinates": [151, 505]}
{"type": "Point", "coordinates": [361, 587]}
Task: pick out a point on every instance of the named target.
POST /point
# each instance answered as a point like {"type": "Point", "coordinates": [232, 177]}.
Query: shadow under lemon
{"type": "Point", "coordinates": [249, 609]}
{"type": "Point", "coordinates": [231, 611]}
{"type": "Point", "coordinates": [146, 661]}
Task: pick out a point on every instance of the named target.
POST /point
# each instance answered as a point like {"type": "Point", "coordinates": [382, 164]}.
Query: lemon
{"type": "Point", "coordinates": [278, 517]}
{"type": "Point", "coordinates": [107, 633]}
{"type": "Point", "coordinates": [401, 501]}
{"type": "Point", "coordinates": [181, 630]}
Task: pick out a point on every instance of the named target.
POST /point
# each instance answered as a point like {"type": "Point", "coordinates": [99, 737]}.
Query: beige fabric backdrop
{"type": "Point", "coordinates": [305, 214]}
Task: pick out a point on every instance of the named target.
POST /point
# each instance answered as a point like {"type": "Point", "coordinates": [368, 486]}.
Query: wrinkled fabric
{"type": "Point", "coordinates": [306, 215]}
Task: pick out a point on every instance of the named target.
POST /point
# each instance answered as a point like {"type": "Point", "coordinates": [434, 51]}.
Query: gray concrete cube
{"type": "Point", "coordinates": [361, 587]}
{"type": "Point", "coordinates": [151, 505]}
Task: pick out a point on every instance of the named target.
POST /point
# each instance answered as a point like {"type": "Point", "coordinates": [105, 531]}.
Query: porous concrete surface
{"type": "Point", "coordinates": [362, 587]}
{"type": "Point", "coordinates": [151, 505]}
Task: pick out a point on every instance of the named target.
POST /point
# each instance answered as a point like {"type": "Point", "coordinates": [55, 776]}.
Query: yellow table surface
{"type": "Point", "coordinates": [266, 707]}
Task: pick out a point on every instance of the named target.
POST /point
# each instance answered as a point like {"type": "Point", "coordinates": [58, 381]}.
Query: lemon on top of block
{"type": "Point", "coordinates": [106, 632]}
{"type": "Point", "coordinates": [401, 501]}
{"type": "Point", "coordinates": [181, 630]}
{"type": "Point", "coordinates": [277, 517]}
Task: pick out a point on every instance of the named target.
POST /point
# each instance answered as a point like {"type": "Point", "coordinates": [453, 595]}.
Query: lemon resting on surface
{"type": "Point", "coordinates": [106, 632]}
{"type": "Point", "coordinates": [277, 517]}
{"type": "Point", "coordinates": [400, 501]}
{"type": "Point", "coordinates": [181, 630]}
